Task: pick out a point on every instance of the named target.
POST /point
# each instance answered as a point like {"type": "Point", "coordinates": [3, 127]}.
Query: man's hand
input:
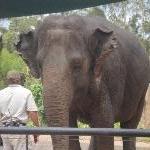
{"type": "Point", "coordinates": [36, 138]}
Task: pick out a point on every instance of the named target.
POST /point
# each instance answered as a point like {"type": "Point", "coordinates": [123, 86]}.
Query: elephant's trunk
{"type": "Point", "coordinates": [57, 94]}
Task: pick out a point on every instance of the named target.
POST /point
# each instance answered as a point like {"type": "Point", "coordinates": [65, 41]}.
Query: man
{"type": "Point", "coordinates": [17, 106]}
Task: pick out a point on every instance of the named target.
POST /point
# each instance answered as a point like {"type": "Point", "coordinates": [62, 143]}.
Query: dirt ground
{"type": "Point", "coordinates": [45, 144]}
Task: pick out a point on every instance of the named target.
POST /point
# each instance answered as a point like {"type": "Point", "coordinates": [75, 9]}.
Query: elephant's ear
{"type": "Point", "coordinates": [27, 49]}
{"type": "Point", "coordinates": [101, 44]}
{"type": "Point", "coordinates": [97, 40]}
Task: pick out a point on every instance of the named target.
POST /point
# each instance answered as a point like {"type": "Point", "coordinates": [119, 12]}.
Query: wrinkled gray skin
{"type": "Point", "coordinates": [91, 70]}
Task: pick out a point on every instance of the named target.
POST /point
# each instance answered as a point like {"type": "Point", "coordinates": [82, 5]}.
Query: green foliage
{"type": "Point", "coordinates": [93, 11]}
{"type": "Point", "coordinates": [17, 26]}
{"type": "Point", "coordinates": [82, 125]}
{"type": "Point", "coordinates": [146, 44]}
{"type": "Point", "coordinates": [10, 61]}
{"type": "Point", "coordinates": [117, 125]}
{"type": "Point", "coordinates": [146, 26]}
{"type": "Point", "coordinates": [133, 15]}
{"type": "Point", "coordinates": [8, 40]}
{"type": "Point", "coordinates": [1, 44]}
{"type": "Point", "coordinates": [96, 11]}
{"type": "Point", "coordinates": [22, 24]}
{"type": "Point", "coordinates": [36, 89]}
{"type": "Point", "coordinates": [133, 24]}
{"type": "Point", "coordinates": [2, 29]}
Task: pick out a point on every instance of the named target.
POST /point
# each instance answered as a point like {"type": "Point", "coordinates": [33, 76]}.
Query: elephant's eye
{"type": "Point", "coordinates": [76, 65]}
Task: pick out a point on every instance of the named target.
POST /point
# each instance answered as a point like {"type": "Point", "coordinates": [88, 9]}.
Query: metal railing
{"type": "Point", "coordinates": [77, 131]}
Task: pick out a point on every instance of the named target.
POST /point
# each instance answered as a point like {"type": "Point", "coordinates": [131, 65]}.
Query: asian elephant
{"type": "Point", "coordinates": [91, 70]}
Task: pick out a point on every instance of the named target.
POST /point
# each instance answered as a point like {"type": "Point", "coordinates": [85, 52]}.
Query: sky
{"type": "Point", "coordinates": [4, 23]}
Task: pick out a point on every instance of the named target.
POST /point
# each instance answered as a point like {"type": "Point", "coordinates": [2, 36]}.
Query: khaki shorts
{"type": "Point", "coordinates": [16, 142]}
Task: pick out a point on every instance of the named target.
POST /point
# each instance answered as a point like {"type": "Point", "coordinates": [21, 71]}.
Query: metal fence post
{"type": "Point", "coordinates": [27, 142]}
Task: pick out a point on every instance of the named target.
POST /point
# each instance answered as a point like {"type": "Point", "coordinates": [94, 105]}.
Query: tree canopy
{"type": "Point", "coordinates": [9, 8]}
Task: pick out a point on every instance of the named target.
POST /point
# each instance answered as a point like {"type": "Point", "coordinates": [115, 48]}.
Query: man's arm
{"type": "Point", "coordinates": [33, 115]}
{"type": "Point", "coordinates": [32, 110]}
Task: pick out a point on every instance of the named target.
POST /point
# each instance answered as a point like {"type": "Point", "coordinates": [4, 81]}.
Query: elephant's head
{"type": "Point", "coordinates": [27, 49]}
{"type": "Point", "coordinates": [63, 52]}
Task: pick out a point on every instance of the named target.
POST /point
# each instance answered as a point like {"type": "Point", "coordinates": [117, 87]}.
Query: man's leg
{"type": "Point", "coordinates": [1, 142]}
{"type": "Point", "coordinates": [6, 142]}
{"type": "Point", "coordinates": [20, 143]}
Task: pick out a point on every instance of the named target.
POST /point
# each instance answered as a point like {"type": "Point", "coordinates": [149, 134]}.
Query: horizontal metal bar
{"type": "Point", "coordinates": [11, 8]}
{"type": "Point", "coordinates": [77, 131]}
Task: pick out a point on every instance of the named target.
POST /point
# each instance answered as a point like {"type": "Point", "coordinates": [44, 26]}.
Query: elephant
{"type": "Point", "coordinates": [91, 70]}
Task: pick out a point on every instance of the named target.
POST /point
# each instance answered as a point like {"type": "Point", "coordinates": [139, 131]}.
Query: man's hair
{"type": "Point", "coordinates": [23, 78]}
{"type": "Point", "coordinates": [13, 77]}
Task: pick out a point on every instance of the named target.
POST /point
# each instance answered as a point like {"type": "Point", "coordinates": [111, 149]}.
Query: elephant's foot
{"type": "Point", "coordinates": [129, 143]}
{"type": "Point", "coordinates": [101, 143]}
{"type": "Point", "coordinates": [74, 143]}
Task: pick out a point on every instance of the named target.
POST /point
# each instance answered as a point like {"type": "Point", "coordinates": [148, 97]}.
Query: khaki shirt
{"type": "Point", "coordinates": [15, 102]}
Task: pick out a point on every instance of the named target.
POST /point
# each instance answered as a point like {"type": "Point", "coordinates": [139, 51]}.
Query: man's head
{"type": "Point", "coordinates": [23, 78]}
{"type": "Point", "coordinates": [13, 77]}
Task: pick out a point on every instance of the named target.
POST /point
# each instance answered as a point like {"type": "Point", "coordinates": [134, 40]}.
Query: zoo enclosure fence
{"type": "Point", "coordinates": [76, 131]}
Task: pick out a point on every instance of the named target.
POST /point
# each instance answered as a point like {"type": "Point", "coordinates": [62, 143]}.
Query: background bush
{"type": "Point", "coordinates": [10, 61]}
{"type": "Point", "coordinates": [36, 89]}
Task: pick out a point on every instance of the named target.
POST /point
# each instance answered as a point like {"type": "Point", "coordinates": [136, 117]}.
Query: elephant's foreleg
{"type": "Point", "coordinates": [74, 143]}
{"type": "Point", "coordinates": [102, 117]}
{"type": "Point", "coordinates": [101, 143]}
{"type": "Point", "coordinates": [129, 143]}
